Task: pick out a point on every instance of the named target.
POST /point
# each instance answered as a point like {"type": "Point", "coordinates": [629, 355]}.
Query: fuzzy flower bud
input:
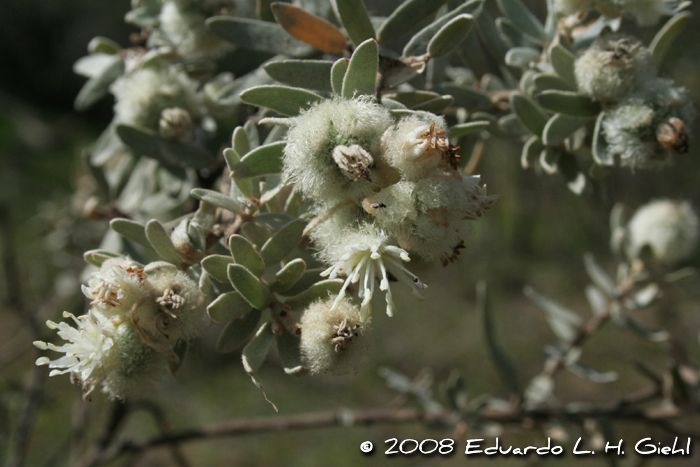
{"type": "Point", "coordinates": [176, 124]}
{"type": "Point", "coordinates": [183, 27]}
{"type": "Point", "coordinates": [333, 337]}
{"type": "Point", "coordinates": [670, 229]}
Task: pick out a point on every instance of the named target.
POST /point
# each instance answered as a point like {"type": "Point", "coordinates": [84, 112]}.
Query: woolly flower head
{"type": "Point", "coordinates": [368, 256]}
{"type": "Point", "coordinates": [612, 68]}
{"type": "Point", "coordinates": [333, 147]}
{"type": "Point", "coordinates": [139, 320]}
{"type": "Point", "coordinates": [418, 148]}
{"type": "Point", "coordinates": [143, 95]}
{"type": "Point", "coordinates": [645, 129]}
{"type": "Point", "coordinates": [669, 228]}
{"type": "Point", "coordinates": [333, 336]}
{"type": "Point", "coordinates": [183, 27]}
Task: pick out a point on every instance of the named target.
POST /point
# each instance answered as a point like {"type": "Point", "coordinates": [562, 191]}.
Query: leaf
{"type": "Point", "coordinates": [321, 289]}
{"type": "Point", "coordinates": [98, 86]}
{"type": "Point", "coordinates": [560, 127]}
{"type": "Point", "coordinates": [450, 35]}
{"type": "Point", "coordinates": [458, 131]}
{"type": "Point", "coordinates": [160, 241]}
{"type": "Point", "coordinates": [308, 278]}
{"type": "Point", "coordinates": [263, 10]}
{"type": "Point", "coordinates": [244, 253]}
{"type": "Point", "coordinates": [282, 242]}
{"type": "Point", "coordinates": [228, 306]}
{"type": "Point", "coordinates": [340, 67]}
{"type": "Point", "coordinates": [668, 33]}
{"type": "Point", "coordinates": [599, 146]}
{"type": "Point", "coordinates": [355, 19]}
{"type": "Point", "coordinates": [263, 160]}
{"type": "Point", "coordinates": [490, 37]}
{"type": "Point", "coordinates": [274, 220]}
{"type": "Point", "coordinates": [361, 76]}
{"type": "Point", "coordinates": [132, 230]}
{"type": "Point", "coordinates": [644, 297]}
{"type": "Point", "coordinates": [544, 81]}
{"type": "Point", "coordinates": [523, 19]}
{"type": "Point", "coordinates": [652, 335]}
{"type": "Point", "coordinates": [249, 286]}
{"type": "Point", "coordinates": [169, 153]}
{"type": "Point", "coordinates": [531, 150]}
{"type": "Point", "coordinates": [282, 99]}
{"type": "Point", "coordinates": [599, 276]}
{"type": "Point", "coordinates": [237, 331]}
{"type": "Point", "coordinates": [289, 275]}
{"type": "Point", "coordinates": [97, 257]}
{"type": "Point", "coordinates": [290, 354]}
{"type": "Point", "coordinates": [597, 299]}
{"type": "Point", "coordinates": [504, 365]}
{"type": "Point", "coordinates": [103, 45]}
{"type": "Point", "coordinates": [529, 113]}
{"type": "Point", "coordinates": [436, 105]}
{"type": "Point", "coordinates": [255, 353]}
{"type": "Point", "coordinates": [510, 125]}
{"type": "Point", "coordinates": [309, 28]}
{"type": "Point", "coordinates": [180, 350]}
{"type": "Point", "coordinates": [569, 103]}
{"type": "Point", "coordinates": [471, 51]}
{"type": "Point", "coordinates": [256, 233]}
{"type": "Point", "coordinates": [564, 322]}
{"type": "Point", "coordinates": [418, 44]}
{"type": "Point", "coordinates": [240, 142]}
{"type": "Point", "coordinates": [521, 57]}
{"type": "Point", "coordinates": [594, 375]}
{"type": "Point", "coordinates": [217, 267]}
{"type": "Point", "coordinates": [308, 74]}
{"type": "Point", "coordinates": [466, 96]}
{"type": "Point", "coordinates": [413, 98]}
{"type": "Point", "coordinates": [549, 159]}
{"type": "Point", "coordinates": [94, 64]}
{"type": "Point", "coordinates": [217, 199]}
{"type": "Point", "coordinates": [406, 17]}
{"type": "Point", "coordinates": [563, 63]}
{"type": "Point", "coordinates": [513, 35]}
{"type": "Point", "coordinates": [258, 35]}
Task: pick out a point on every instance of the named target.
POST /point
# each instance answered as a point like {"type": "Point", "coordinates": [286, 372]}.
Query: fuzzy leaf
{"type": "Point", "coordinates": [436, 105]}
{"type": "Point", "coordinates": [668, 33]}
{"type": "Point", "coordinates": [249, 286]}
{"type": "Point", "coordinates": [132, 230]}
{"type": "Point", "coordinates": [340, 67]}
{"type": "Point", "coordinates": [217, 267]}
{"type": "Point", "coordinates": [521, 57]}
{"type": "Point", "coordinates": [549, 159]}
{"type": "Point", "coordinates": [560, 127]}
{"type": "Point", "coordinates": [217, 199]}
{"type": "Point", "coordinates": [290, 354]}
{"type": "Point", "coordinates": [510, 32]}
{"type": "Point", "coordinates": [282, 242]}
{"type": "Point", "coordinates": [458, 131]}
{"type": "Point", "coordinates": [569, 103]}
{"type": "Point", "coordinates": [98, 86]}
{"type": "Point", "coordinates": [258, 35]}
{"type": "Point", "coordinates": [531, 151]}
{"type": "Point", "coordinates": [307, 279]}
{"type": "Point", "coordinates": [450, 35]}
{"type": "Point", "coordinates": [563, 63]}
{"type": "Point", "coordinates": [413, 98]}
{"type": "Point", "coordinates": [521, 17]}
{"type": "Point", "coordinates": [244, 253]}
{"type": "Point", "coordinates": [418, 45]}
{"type": "Point", "coordinates": [274, 220]}
{"type": "Point", "coordinates": [237, 331]}
{"type": "Point", "coordinates": [241, 186]}
{"type": "Point", "coordinates": [406, 17]}
{"type": "Point", "coordinates": [160, 241]}
{"type": "Point", "coordinates": [599, 146]}
{"type": "Point", "coordinates": [353, 15]}
{"type": "Point", "coordinates": [466, 96]}
{"type": "Point", "coordinates": [97, 257]}
{"type": "Point", "coordinates": [308, 74]}
{"type": "Point", "coordinates": [255, 353]}
{"type": "Point", "coordinates": [564, 322]}
{"type": "Point", "coordinates": [170, 153]}
{"type": "Point", "coordinates": [282, 99]}
{"type": "Point", "coordinates": [544, 81]}
{"type": "Point", "coordinates": [597, 299]}
{"type": "Point", "coordinates": [309, 28]}
{"type": "Point", "coordinates": [321, 289]}
{"type": "Point", "coordinates": [529, 113]}
{"type": "Point", "coordinates": [361, 76]}
{"type": "Point", "coordinates": [228, 306]}
{"type": "Point", "coordinates": [599, 276]}
{"type": "Point", "coordinates": [256, 233]}
{"type": "Point", "coordinates": [263, 160]}
{"type": "Point", "coordinates": [490, 36]}
{"type": "Point", "coordinates": [289, 275]}
{"type": "Point", "coordinates": [240, 141]}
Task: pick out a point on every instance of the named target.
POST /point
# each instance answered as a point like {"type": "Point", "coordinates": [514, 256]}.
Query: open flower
{"type": "Point", "coordinates": [361, 264]}
{"type": "Point", "coordinates": [84, 354]}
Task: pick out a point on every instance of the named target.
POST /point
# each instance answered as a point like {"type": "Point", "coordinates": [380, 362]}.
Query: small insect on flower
{"type": "Point", "coordinates": [671, 134]}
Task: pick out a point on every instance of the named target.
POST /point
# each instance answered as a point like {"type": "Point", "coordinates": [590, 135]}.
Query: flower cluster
{"type": "Point", "coordinates": [138, 319]}
{"type": "Point", "coordinates": [645, 116]}
{"type": "Point", "coordinates": [382, 190]}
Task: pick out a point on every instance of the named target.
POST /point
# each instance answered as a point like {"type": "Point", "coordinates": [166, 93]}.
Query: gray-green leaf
{"type": "Point", "coordinates": [282, 99]}
{"type": "Point", "coordinates": [418, 45]}
{"type": "Point", "coordinates": [569, 103]}
{"type": "Point", "coordinates": [289, 275]}
{"type": "Point", "coordinates": [282, 242]}
{"type": "Point", "coordinates": [98, 86]}
{"type": "Point", "coordinates": [668, 33]}
{"type": "Point", "coordinates": [361, 76]}
{"type": "Point", "coordinates": [244, 253]}
{"type": "Point", "coordinates": [308, 74]}
{"type": "Point", "coordinates": [249, 286]}
{"type": "Point", "coordinates": [321, 289]}
{"type": "Point", "coordinates": [406, 17]}
{"type": "Point", "coordinates": [563, 63]}
{"type": "Point", "coordinates": [237, 331]}
{"type": "Point", "coordinates": [228, 306]}
{"type": "Point", "coordinates": [217, 199]}
{"type": "Point", "coordinates": [160, 241]}
{"type": "Point", "coordinates": [523, 19]}
{"type": "Point", "coordinates": [255, 353]}
{"type": "Point", "coordinates": [340, 67]}
{"type": "Point", "coordinates": [353, 15]}
{"type": "Point", "coordinates": [458, 131]}
{"type": "Point", "coordinates": [217, 266]}
{"type": "Point", "coordinates": [529, 113]}
{"type": "Point", "coordinates": [290, 355]}
{"type": "Point", "coordinates": [263, 160]}
{"type": "Point", "coordinates": [97, 257]}
{"type": "Point", "coordinates": [132, 230]}
{"type": "Point", "coordinates": [167, 152]}
{"type": "Point", "coordinates": [559, 127]}
{"type": "Point", "coordinates": [258, 35]}
{"type": "Point", "coordinates": [450, 35]}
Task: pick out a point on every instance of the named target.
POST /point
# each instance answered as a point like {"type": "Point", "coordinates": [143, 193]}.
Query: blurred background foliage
{"type": "Point", "coordinates": [536, 235]}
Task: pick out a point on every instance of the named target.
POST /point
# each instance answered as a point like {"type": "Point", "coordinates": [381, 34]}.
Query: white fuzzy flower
{"type": "Point", "coordinates": [116, 284]}
{"type": "Point", "coordinates": [183, 26]}
{"type": "Point", "coordinates": [669, 228]}
{"type": "Point", "coordinates": [84, 354]}
{"type": "Point", "coordinates": [363, 262]}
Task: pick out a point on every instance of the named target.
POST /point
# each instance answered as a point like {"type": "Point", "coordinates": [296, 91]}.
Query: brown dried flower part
{"type": "Point", "coordinates": [436, 139]}
{"type": "Point", "coordinates": [176, 125]}
{"type": "Point", "coordinates": [353, 161]}
{"type": "Point", "coordinates": [671, 134]}
{"type": "Point", "coordinates": [456, 250]}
